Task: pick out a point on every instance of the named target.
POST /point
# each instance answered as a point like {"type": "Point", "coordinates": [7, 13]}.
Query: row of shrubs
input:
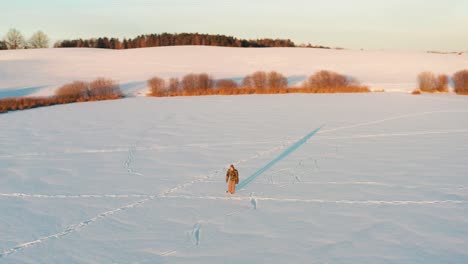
{"type": "Point", "coordinates": [202, 84]}
{"type": "Point", "coordinates": [78, 91]}
{"type": "Point", "coordinates": [99, 89]}
{"type": "Point", "coordinates": [432, 83]}
{"type": "Point", "coordinates": [257, 83]}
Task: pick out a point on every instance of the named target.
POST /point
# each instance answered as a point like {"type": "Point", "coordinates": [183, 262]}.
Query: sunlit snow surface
{"type": "Point", "coordinates": [142, 180]}
{"type": "Point", "coordinates": [41, 71]}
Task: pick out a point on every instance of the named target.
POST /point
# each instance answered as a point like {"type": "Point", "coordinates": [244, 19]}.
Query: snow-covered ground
{"type": "Point", "coordinates": [40, 72]}
{"type": "Point", "coordinates": [141, 180]}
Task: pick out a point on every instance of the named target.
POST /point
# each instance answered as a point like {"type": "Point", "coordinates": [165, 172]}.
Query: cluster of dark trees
{"type": "Point", "coordinates": [14, 39]}
{"type": "Point", "coordinates": [431, 83]}
{"type": "Point", "coordinates": [168, 39]}
{"type": "Point", "coordinates": [257, 83]}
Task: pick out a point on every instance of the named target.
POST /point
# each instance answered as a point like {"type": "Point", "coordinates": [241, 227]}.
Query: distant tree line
{"type": "Point", "coordinates": [168, 39]}
{"type": "Point", "coordinates": [14, 39]}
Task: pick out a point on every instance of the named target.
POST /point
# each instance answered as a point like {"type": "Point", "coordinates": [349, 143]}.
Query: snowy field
{"type": "Point", "coordinates": [41, 71]}
{"type": "Point", "coordinates": [141, 180]}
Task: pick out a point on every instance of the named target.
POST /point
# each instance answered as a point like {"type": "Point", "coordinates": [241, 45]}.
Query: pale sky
{"type": "Point", "coordinates": [369, 24]}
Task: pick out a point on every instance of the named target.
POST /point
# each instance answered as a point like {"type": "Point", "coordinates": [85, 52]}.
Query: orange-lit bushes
{"type": "Point", "coordinates": [257, 83]}
{"type": "Point", "coordinates": [460, 80]}
{"type": "Point", "coordinates": [430, 83]}
{"type": "Point", "coordinates": [332, 82]}
{"type": "Point", "coordinates": [100, 89]}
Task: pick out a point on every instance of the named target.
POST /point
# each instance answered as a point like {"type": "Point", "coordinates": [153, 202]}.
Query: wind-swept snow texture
{"type": "Point", "coordinates": [142, 180]}
{"type": "Point", "coordinates": [41, 71]}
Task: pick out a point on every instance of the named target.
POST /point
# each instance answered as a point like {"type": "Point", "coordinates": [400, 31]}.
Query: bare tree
{"type": "Point", "coordinates": [157, 86]}
{"type": "Point", "coordinates": [102, 88]}
{"type": "Point", "coordinates": [460, 80]}
{"type": "Point", "coordinates": [73, 91]}
{"type": "Point", "coordinates": [259, 79]}
{"type": "Point", "coordinates": [205, 82]}
{"type": "Point", "coordinates": [426, 81]}
{"type": "Point", "coordinates": [226, 83]}
{"type": "Point", "coordinates": [99, 89]}
{"type": "Point", "coordinates": [262, 80]}
{"type": "Point", "coordinates": [276, 80]}
{"type": "Point", "coordinates": [442, 83]}
{"type": "Point", "coordinates": [14, 39]}
{"type": "Point", "coordinates": [197, 82]}
{"type": "Point", "coordinates": [39, 40]}
{"type": "Point", "coordinates": [429, 82]}
{"type": "Point", "coordinates": [173, 85]}
{"type": "Point", "coordinates": [189, 82]}
{"type": "Point", "coordinates": [327, 79]}
{"type": "Point", "coordinates": [248, 81]}
{"type": "Point", "coordinates": [332, 82]}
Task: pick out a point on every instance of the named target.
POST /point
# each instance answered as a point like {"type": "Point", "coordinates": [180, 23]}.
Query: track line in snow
{"type": "Point", "coordinates": [84, 224]}
{"type": "Point", "coordinates": [78, 196]}
{"type": "Point", "coordinates": [368, 202]}
{"type": "Point", "coordinates": [280, 184]}
{"type": "Point", "coordinates": [425, 186]}
{"type": "Point", "coordinates": [134, 149]}
{"type": "Point", "coordinates": [390, 119]}
{"type": "Point", "coordinates": [168, 253]}
{"type": "Point", "coordinates": [79, 226]}
{"type": "Point", "coordinates": [404, 134]}
{"type": "Point", "coordinates": [128, 166]}
{"type": "Point", "coordinates": [69, 151]}
{"type": "Point", "coordinates": [253, 200]}
{"type": "Point", "coordinates": [322, 201]}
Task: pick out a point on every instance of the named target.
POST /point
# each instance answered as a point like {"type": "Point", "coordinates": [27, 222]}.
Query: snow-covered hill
{"type": "Point", "coordinates": [142, 180]}
{"type": "Point", "coordinates": [39, 72]}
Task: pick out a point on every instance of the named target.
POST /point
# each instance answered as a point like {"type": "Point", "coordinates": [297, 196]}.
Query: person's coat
{"type": "Point", "coordinates": [232, 175]}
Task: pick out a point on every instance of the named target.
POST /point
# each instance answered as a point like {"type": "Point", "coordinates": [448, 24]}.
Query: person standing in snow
{"type": "Point", "coordinates": [232, 175]}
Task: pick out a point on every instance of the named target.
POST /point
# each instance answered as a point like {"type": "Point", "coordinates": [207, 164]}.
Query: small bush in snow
{"type": "Point", "coordinates": [78, 91]}
{"type": "Point", "coordinates": [73, 92]}
{"type": "Point", "coordinates": [157, 86]}
{"type": "Point", "coordinates": [102, 89]}
{"type": "Point", "coordinates": [261, 81]}
{"type": "Point", "coordinates": [460, 80]}
{"type": "Point", "coordinates": [430, 83]}
{"type": "Point", "coordinates": [196, 84]}
{"type": "Point", "coordinates": [332, 82]}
